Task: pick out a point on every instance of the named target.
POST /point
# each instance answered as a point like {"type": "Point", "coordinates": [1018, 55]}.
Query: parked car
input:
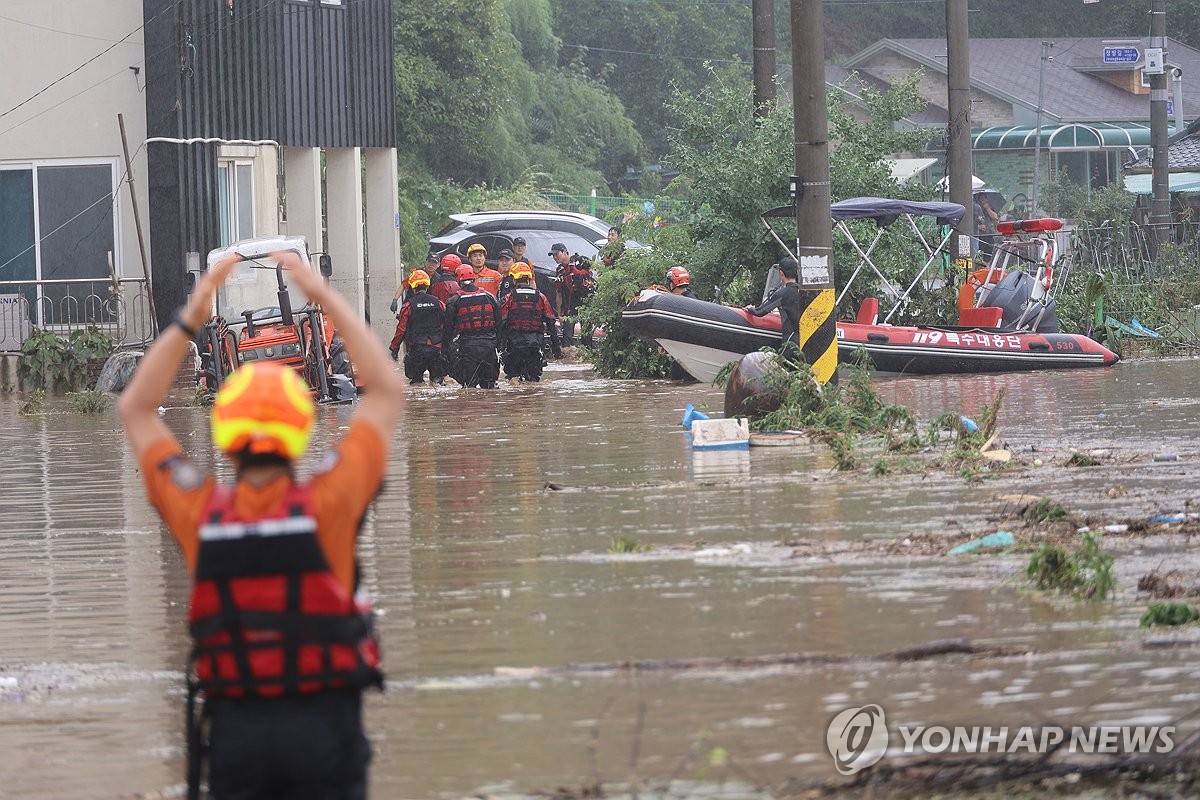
{"type": "Point", "coordinates": [538, 244]}
{"type": "Point", "coordinates": [462, 226]}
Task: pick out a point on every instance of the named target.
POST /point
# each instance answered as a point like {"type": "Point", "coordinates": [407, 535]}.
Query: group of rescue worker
{"type": "Point", "coordinates": [466, 320]}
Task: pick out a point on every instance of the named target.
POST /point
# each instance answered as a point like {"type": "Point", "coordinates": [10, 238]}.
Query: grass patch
{"type": "Point", "coordinates": [1045, 510]}
{"type": "Point", "coordinates": [1169, 614]}
{"type": "Point", "coordinates": [32, 403]}
{"type": "Point", "coordinates": [1081, 460]}
{"type": "Point", "coordinates": [1086, 573]}
{"type": "Point", "coordinates": [89, 401]}
{"type": "Point", "coordinates": [627, 544]}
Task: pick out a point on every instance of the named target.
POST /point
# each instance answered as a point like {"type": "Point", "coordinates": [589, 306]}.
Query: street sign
{"type": "Point", "coordinates": [1121, 55]}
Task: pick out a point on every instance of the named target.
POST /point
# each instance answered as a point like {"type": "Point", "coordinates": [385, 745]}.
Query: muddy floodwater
{"type": "Point", "coordinates": [505, 616]}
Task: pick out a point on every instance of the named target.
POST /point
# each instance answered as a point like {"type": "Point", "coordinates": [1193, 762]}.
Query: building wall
{"type": "Point", "coordinates": [77, 117]}
{"type": "Point", "coordinates": [302, 73]}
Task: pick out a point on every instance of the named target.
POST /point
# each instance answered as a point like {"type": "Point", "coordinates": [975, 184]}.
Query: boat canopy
{"type": "Point", "coordinates": [883, 210]}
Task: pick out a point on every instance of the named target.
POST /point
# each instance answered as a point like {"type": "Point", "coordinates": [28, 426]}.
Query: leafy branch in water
{"type": "Point", "coordinates": [1086, 573]}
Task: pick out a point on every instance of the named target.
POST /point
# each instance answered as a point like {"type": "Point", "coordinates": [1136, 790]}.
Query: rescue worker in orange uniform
{"type": "Point", "coordinates": [419, 329]}
{"type": "Point", "coordinates": [471, 330]}
{"type": "Point", "coordinates": [283, 644]}
{"type": "Point", "coordinates": [486, 278]}
{"type": "Point", "coordinates": [524, 314]}
{"type": "Point", "coordinates": [444, 283]}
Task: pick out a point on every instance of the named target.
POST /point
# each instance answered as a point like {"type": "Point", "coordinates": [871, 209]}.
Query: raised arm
{"type": "Point", "coordinates": [384, 395]}
{"type": "Point", "coordinates": [138, 406]}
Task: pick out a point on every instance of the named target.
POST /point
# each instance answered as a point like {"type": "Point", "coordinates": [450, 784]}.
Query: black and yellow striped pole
{"type": "Point", "coordinates": [810, 188]}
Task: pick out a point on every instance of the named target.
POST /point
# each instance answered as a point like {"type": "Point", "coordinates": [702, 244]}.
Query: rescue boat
{"type": "Point", "coordinates": [1007, 319]}
{"type": "Point", "coordinates": [703, 337]}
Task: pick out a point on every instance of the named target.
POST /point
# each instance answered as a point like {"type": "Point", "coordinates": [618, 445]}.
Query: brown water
{"type": "Point", "coordinates": [482, 573]}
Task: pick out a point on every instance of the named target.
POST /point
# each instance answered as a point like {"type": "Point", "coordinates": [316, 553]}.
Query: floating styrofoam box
{"type": "Point", "coordinates": [711, 434]}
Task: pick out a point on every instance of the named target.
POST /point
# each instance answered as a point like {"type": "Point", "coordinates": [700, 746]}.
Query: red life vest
{"type": "Point", "coordinates": [524, 311]}
{"type": "Point", "coordinates": [475, 313]}
{"type": "Point", "coordinates": [268, 617]}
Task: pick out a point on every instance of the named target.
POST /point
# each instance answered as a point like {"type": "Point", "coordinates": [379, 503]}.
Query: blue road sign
{"type": "Point", "coordinates": [1121, 55]}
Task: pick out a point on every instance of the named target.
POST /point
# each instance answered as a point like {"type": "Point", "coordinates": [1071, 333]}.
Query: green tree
{"type": "Point", "coordinates": [644, 51]}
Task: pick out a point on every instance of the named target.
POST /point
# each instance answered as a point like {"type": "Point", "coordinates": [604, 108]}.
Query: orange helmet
{"type": "Point", "coordinates": [465, 273]}
{"type": "Point", "coordinates": [521, 270]}
{"type": "Point", "coordinates": [476, 246]}
{"type": "Point", "coordinates": [263, 407]}
{"type": "Point", "coordinates": [678, 276]}
{"type": "Point", "coordinates": [418, 277]}
{"type": "Point", "coordinates": [451, 261]}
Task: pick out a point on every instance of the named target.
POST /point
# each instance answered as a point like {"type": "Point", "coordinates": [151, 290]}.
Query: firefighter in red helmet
{"type": "Point", "coordinates": [444, 284]}
{"type": "Point", "coordinates": [679, 282]}
{"type": "Point", "coordinates": [471, 330]}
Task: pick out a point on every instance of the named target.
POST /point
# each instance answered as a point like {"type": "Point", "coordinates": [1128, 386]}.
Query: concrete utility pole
{"type": "Point", "coordinates": [1037, 141]}
{"type": "Point", "coordinates": [764, 55]}
{"type": "Point", "coordinates": [958, 127]}
{"type": "Point", "coordinates": [1160, 206]}
{"type": "Point", "coordinates": [810, 184]}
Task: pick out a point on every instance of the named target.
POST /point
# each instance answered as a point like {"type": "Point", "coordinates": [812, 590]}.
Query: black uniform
{"type": "Point", "coordinates": [524, 315]}
{"type": "Point", "coordinates": [473, 317]}
{"type": "Point", "coordinates": [420, 329]}
{"type": "Point", "coordinates": [575, 284]}
{"type": "Point", "coordinates": [785, 297]}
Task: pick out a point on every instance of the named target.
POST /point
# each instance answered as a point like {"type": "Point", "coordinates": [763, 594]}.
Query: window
{"type": "Point", "coordinates": [235, 200]}
{"type": "Point", "coordinates": [58, 223]}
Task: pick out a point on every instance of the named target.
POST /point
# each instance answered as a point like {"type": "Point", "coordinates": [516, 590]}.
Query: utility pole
{"type": "Point", "coordinates": [1037, 140]}
{"type": "Point", "coordinates": [811, 193]}
{"type": "Point", "coordinates": [1160, 206]}
{"type": "Point", "coordinates": [764, 55]}
{"type": "Point", "coordinates": [958, 126]}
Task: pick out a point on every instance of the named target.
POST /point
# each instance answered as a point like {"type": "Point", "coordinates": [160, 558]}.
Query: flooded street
{"type": "Point", "coordinates": [505, 613]}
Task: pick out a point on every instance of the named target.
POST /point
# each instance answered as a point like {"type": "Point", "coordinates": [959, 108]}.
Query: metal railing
{"type": "Point", "coordinates": [119, 308]}
{"type": "Point", "coordinates": [600, 205]}
{"type": "Point", "coordinates": [1132, 251]}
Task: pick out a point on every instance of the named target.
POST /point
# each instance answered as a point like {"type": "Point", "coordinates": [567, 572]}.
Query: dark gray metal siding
{"type": "Point", "coordinates": [300, 72]}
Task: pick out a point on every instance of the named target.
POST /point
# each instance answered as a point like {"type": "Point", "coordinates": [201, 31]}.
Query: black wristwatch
{"type": "Point", "coordinates": [183, 326]}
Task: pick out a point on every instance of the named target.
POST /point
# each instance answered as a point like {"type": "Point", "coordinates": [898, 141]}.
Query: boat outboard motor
{"type": "Point", "coordinates": [1014, 295]}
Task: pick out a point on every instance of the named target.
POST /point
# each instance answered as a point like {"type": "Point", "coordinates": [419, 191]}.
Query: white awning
{"type": "Point", "coordinates": [1176, 182]}
{"type": "Point", "coordinates": [905, 169]}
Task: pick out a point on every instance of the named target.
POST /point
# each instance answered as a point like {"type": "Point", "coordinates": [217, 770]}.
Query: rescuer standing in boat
{"type": "Point", "coordinates": [785, 297]}
{"type": "Point", "coordinates": [283, 644]}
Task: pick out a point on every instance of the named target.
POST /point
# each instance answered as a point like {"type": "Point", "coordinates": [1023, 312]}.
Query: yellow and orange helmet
{"type": "Point", "coordinates": [476, 247]}
{"type": "Point", "coordinates": [263, 407]}
{"type": "Point", "coordinates": [521, 270]}
{"type": "Point", "coordinates": [418, 277]}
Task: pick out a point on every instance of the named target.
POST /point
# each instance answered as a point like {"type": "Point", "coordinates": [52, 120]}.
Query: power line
{"type": "Point", "coordinates": [64, 33]}
{"type": "Point", "coordinates": [656, 55]}
{"type": "Point", "coordinates": [103, 52]}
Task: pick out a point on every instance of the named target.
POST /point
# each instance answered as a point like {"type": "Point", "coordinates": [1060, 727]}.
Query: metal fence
{"type": "Point", "coordinates": [119, 308]}
{"type": "Point", "coordinates": [600, 205]}
{"type": "Point", "coordinates": [1133, 252]}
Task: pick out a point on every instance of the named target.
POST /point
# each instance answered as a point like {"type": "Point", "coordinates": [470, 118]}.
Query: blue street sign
{"type": "Point", "coordinates": [1121, 55]}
